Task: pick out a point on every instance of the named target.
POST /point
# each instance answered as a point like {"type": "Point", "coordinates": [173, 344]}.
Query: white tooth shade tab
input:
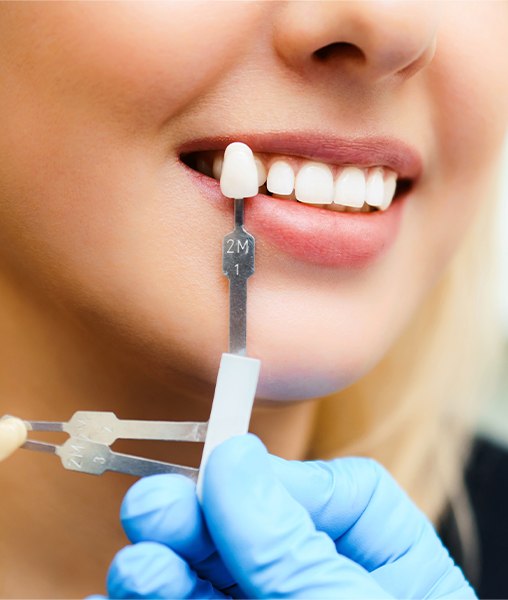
{"type": "Point", "coordinates": [375, 187]}
{"type": "Point", "coordinates": [390, 185]}
{"type": "Point", "coordinates": [281, 178]}
{"type": "Point", "coordinates": [350, 188]}
{"type": "Point", "coordinates": [239, 177]}
{"type": "Point", "coordinates": [314, 184]}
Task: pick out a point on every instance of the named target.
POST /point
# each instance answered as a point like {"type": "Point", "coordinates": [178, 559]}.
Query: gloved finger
{"type": "Point", "coordinates": [266, 538]}
{"type": "Point", "coordinates": [165, 509]}
{"type": "Point", "coordinates": [420, 573]}
{"type": "Point", "coordinates": [150, 570]}
{"type": "Point", "coordinates": [373, 522]}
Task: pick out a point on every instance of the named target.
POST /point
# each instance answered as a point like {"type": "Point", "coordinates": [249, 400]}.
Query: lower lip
{"type": "Point", "coordinates": [311, 234]}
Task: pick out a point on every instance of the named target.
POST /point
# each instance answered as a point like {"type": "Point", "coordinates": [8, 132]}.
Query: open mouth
{"type": "Point", "coordinates": [324, 200]}
{"type": "Point", "coordinates": [346, 188]}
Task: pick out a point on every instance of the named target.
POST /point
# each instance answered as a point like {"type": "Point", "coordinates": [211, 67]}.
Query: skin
{"type": "Point", "coordinates": [108, 300]}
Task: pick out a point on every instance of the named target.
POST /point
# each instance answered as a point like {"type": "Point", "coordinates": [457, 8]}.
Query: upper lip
{"type": "Point", "coordinates": [367, 151]}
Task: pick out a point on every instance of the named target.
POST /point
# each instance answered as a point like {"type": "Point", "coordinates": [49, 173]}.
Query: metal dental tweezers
{"type": "Point", "coordinates": [91, 433]}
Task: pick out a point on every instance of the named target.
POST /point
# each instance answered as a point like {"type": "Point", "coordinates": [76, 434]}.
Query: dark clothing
{"type": "Point", "coordinates": [487, 484]}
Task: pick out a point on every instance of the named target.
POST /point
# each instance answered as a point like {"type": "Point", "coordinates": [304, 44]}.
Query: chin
{"type": "Point", "coordinates": [296, 380]}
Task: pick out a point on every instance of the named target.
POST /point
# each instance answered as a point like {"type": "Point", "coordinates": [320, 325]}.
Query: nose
{"type": "Point", "coordinates": [366, 41]}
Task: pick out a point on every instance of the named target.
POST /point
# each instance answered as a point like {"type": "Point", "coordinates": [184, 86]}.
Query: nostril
{"type": "Point", "coordinates": [339, 50]}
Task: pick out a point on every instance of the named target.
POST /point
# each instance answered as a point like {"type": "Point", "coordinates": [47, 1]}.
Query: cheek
{"type": "Point", "coordinates": [469, 104]}
{"type": "Point", "coordinates": [145, 61]}
{"type": "Point", "coordinates": [117, 242]}
{"type": "Point", "coordinates": [88, 210]}
{"type": "Point", "coordinates": [468, 113]}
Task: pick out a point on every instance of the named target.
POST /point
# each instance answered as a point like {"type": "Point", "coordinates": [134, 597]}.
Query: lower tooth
{"type": "Point", "coordinates": [290, 197]}
{"type": "Point", "coordinates": [348, 209]}
{"type": "Point", "coordinates": [337, 207]}
{"type": "Point", "coordinates": [313, 204]}
{"type": "Point", "coordinates": [333, 206]}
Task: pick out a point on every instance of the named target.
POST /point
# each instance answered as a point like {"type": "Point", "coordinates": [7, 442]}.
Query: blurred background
{"type": "Point", "coordinates": [494, 417]}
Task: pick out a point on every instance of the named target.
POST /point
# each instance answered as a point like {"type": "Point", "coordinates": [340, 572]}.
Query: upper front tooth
{"type": "Point", "coordinates": [350, 187]}
{"type": "Point", "coordinates": [261, 171]}
{"type": "Point", "coordinates": [390, 185]}
{"type": "Point", "coordinates": [314, 184]}
{"type": "Point", "coordinates": [239, 177]}
{"type": "Point", "coordinates": [375, 187]}
{"type": "Point", "coordinates": [281, 178]}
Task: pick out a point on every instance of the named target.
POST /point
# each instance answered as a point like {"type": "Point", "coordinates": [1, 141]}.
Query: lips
{"type": "Point", "coordinates": [312, 234]}
{"type": "Point", "coordinates": [361, 151]}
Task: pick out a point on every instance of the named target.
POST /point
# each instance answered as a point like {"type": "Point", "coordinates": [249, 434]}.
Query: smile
{"type": "Point", "coordinates": [341, 188]}
{"type": "Point", "coordinates": [327, 201]}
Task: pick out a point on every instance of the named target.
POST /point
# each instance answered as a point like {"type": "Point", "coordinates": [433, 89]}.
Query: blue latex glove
{"type": "Point", "coordinates": [339, 529]}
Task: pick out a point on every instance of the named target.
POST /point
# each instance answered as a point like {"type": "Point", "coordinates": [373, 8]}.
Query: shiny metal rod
{"type": "Point", "coordinates": [238, 257]}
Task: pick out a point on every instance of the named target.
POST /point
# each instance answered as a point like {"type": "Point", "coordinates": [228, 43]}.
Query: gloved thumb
{"type": "Point", "coordinates": [266, 538]}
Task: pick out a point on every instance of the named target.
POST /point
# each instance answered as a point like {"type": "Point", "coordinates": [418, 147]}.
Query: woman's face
{"type": "Point", "coordinates": [99, 213]}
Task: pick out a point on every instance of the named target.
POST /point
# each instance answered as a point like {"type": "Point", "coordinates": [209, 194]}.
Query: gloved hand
{"type": "Point", "coordinates": [339, 529]}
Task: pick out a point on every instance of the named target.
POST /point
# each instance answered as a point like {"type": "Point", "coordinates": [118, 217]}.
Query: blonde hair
{"type": "Point", "coordinates": [416, 411]}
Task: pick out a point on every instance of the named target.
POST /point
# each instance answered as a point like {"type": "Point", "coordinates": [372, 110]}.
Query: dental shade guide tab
{"type": "Point", "coordinates": [91, 433]}
{"type": "Point", "coordinates": [238, 374]}
{"type": "Point", "coordinates": [239, 176]}
{"type": "Point", "coordinates": [105, 428]}
{"type": "Point", "coordinates": [95, 458]}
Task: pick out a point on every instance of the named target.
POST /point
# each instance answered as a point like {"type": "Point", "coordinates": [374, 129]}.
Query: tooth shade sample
{"type": "Point", "coordinates": [261, 171]}
{"type": "Point", "coordinates": [281, 178]}
{"type": "Point", "coordinates": [239, 177]}
{"type": "Point", "coordinates": [12, 435]}
{"type": "Point", "coordinates": [350, 187]}
{"type": "Point", "coordinates": [375, 189]}
{"type": "Point", "coordinates": [390, 185]}
{"type": "Point", "coordinates": [314, 184]}
{"type": "Point", "coordinates": [217, 167]}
